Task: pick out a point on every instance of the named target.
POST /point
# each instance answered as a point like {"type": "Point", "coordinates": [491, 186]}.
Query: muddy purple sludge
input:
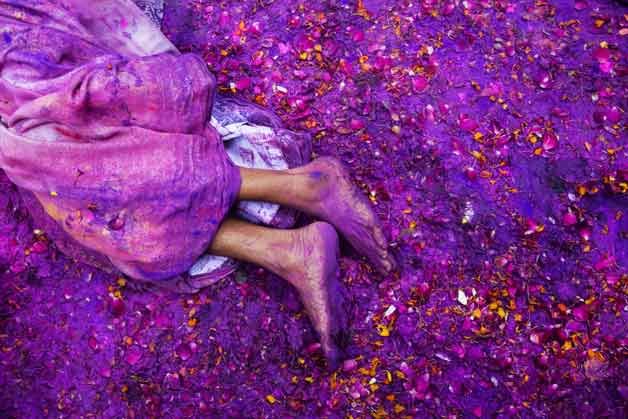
{"type": "Point", "coordinates": [490, 139]}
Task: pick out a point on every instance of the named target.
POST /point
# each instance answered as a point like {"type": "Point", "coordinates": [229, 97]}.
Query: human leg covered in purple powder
{"type": "Point", "coordinates": [308, 257]}
{"type": "Point", "coordinates": [109, 134]}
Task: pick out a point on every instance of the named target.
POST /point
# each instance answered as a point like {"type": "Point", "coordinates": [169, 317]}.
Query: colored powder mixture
{"type": "Point", "coordinates": [490, 136]}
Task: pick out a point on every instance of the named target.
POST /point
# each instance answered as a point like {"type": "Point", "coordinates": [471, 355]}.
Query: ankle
{"type": "Point", "coordinates": [284, 258]}
{"type": "Point", "coordinates": [311, 186]}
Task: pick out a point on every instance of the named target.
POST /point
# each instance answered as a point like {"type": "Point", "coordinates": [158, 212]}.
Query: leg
{"type": "Point", "coordinates": [323, 189]}
{"type": "Point", "coordinates": [306, 257]}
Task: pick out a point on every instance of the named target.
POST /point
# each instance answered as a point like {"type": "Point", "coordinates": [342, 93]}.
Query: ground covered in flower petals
{"type": "Point", "coordinates": [490, 136]}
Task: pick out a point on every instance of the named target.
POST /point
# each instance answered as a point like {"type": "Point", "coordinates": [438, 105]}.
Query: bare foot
{"type": "Point", "coordinates": [313, 270]}
{"type": "Point", "coordinates": [329, 194]}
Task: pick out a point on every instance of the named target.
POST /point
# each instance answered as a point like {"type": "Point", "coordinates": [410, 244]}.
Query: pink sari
{"type": "Point", "coordinates": [108, 132]}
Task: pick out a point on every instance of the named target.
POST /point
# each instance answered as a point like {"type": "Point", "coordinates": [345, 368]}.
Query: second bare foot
{"type": "Point", "coordinates": [313, 269]}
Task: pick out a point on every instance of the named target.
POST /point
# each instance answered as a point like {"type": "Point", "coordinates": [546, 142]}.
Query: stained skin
{"type": "Point", "coordinates": [314, 274]}
{"type": "Point", "coordinates": [329, 194]}
{"type": "Point", "coordinates": [308, 259]}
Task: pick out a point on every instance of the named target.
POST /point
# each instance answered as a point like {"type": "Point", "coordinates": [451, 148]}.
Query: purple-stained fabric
{"type": "Point", "coordinates": [256, 138]}
{"type": "Point", "coordinates": [114, 143]}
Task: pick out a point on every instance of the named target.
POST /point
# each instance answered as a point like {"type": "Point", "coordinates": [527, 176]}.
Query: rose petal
{"type": "Point", "coordinates": [467, 123]}
{"type": "Point", "coordinates": [602, 54]}
{"type": "Point", "coordinates": [604, 263]}
{"type": "Point", "coordinates": [116, 306]}
{"type": "Point", "coordinates": [133, 355]}
{"type": "Point", "coordinates": [419, 84]}
{"type": "Point", "coordinates": [549, 141]}
{"type": "Point", "coordinates": [349, 365]}
{"type": "Point", "coordinates": [569, 218]}
{"type": "Point", "coordinates": [183, 351]}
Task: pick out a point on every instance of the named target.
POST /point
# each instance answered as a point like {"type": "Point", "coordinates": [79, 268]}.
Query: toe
{"type": "Point", "coordinates": [391, 261]}
{"type": "Point", "coordinates": [383, 263]}
{"type": "Point", "coordinates": [386, 266]}
{"type": "Point", "coordinates": [379, 257]}
{"type": "Point", "coordinates": [334, 357]}
{"type": "Point", "coordinates": [383, 253]}
{"type": "Point", "coordinates": [380, 239]}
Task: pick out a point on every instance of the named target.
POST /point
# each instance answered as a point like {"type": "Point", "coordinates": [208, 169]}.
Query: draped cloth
{"type": "Point", "coordinates": [109, 134]}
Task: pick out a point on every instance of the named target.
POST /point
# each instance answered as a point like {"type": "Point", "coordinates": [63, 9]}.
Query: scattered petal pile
{"type": "Point", "coordinates": [490, 136]}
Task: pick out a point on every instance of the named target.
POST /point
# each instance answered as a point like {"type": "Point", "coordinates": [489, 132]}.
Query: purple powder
{"type": "Point", "coordinates": [474, 127]}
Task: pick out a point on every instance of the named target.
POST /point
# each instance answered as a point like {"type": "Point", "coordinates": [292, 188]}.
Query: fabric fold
{"type": "Point", "coordinates": [107, 130]}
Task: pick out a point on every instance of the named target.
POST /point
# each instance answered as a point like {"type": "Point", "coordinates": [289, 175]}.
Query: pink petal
{"type": "Point", "coordinates": [39, 247]}
{"type": "Point", "coordinates": [467, 123]}
{"type": "Point", "coordinates": [544, 80]}
{"type": "Point", "coordinates": [116, 306]}
{"type": "Point", "coordinates": [276, 76]}
{"type": "Point", "coordinates": [538, 337]}
{"type": "Point", "coordinates": [471, 173]}
{"type": "Point", "coordinates": [183, 351]}
{"type": "Point", "coordinates": [255, 28]}
{"type": "Point", "coordinates": [606, 66]}
{"type": "Point", "coordinates": [604, 263]}
{"type": "Point", "coordinates": [133, 355]}
{"type": "Point", "coordinates": [419, 84]}
{"type": "Point", "coordinates": [300, 74]}
{"type": "Point", "coordinates": [613, 114]}
{"type": "Point", "coordinates": [569, 218]}
{"type": "Point", "coordinates": [581, 313]}
{"type": "Point", "coordinates": [549, 141]}
{"type": "Point", "coordinates": [92, 343]}
{"type": "Point", "coordinates": [314, 347]}
{"type": "Point", "coordinates": [116, 223]}
{"type": "Point", "coordinates": [560, 113]}
{"type": "Point", "coordinates": [243, 83]}
{"type": "Point", "coordinates": [349, 365]}
{"type": "Point", "coordinates": [224, 19]}
{"type": "Point", "coordinates": [356, 124]}
{"type": "Point", "coordinates": [510, 49]}
{"type": "Point", "coordinates": [448, 9]}
{"type": "Point", "coordinates": [357, 35]}
{"type": "Point", "coordinates": [423, 289]}
{"type": "Point", "coordinates": [602, 54]}
{"type": "Point", "coordinates": [422, 383]}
